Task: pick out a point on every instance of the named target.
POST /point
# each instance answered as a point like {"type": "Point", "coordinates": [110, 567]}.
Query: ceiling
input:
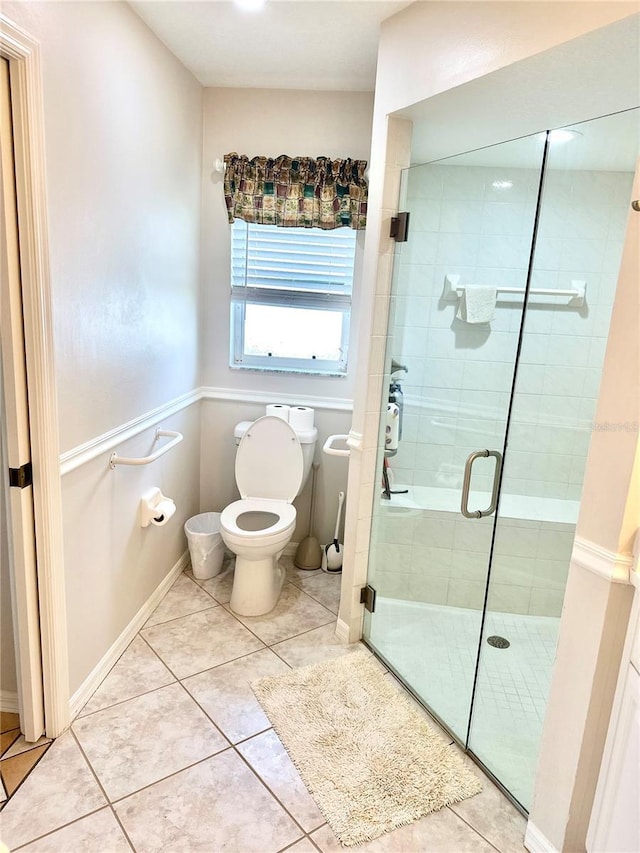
{"type": "Point", "coordinates": [331, 45]}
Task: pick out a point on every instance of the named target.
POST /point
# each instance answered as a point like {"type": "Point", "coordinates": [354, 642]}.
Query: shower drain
{"type": "Point", "coordinates": [498, 642]}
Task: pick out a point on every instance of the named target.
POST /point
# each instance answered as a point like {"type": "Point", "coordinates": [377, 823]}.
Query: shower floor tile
{"type": "Point", "coordinates": [433, 648]}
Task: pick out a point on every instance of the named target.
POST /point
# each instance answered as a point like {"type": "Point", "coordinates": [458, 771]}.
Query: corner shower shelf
{"type": "Point", "coordinates": [454, 290]}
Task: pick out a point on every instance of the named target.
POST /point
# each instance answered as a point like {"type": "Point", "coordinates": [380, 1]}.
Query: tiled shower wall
{"type": "Point", "coordinates": [443, 558]}
{"type": "Point", "coordinates": [456, 391]}
{"type": "Point", "coordinates": [458, 384]}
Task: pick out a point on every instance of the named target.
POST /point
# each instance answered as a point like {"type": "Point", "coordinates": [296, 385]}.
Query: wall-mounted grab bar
{"type": "Point", "coordinates": [328, 447]}
{"type": "Point", "coordinates": [145, 460]}
{"type": "Point", "coordinates": [454, 290]}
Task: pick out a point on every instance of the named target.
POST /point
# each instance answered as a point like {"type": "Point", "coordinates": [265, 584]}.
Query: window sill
{"type": "Point", "coordinates": [289, 371]}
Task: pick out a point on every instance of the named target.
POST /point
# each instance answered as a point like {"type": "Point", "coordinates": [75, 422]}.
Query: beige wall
{"type": "Point", "coordinates": [271, 122]}
{"type": "Point", "coordinates": [123, 137]}
{"type": "Point", "coordinates": [123, 146]}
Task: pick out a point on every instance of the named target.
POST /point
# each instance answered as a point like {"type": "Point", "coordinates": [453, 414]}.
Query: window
{"type": "Point", "coordinates": [291, 297]}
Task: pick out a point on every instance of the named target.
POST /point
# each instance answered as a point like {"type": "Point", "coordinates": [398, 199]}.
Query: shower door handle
{"type": "Point", "coordinates": [466, 484]}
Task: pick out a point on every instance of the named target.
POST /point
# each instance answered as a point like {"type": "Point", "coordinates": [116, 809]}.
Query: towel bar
{"type": "Point", "coordinates": [453, 290]}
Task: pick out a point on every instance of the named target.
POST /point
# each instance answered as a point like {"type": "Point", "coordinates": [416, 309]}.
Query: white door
{"type": "Point", "coordinates": [17, 453]}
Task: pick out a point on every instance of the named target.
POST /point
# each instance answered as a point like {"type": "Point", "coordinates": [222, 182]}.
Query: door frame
{"type": "Point", "coordinates": [23, 54]}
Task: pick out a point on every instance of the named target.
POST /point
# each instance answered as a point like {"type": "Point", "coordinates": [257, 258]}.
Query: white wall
{"type": "Point", "coordinates": [271, 122]}
{"type": "Point", "coordinates": [123, 135]}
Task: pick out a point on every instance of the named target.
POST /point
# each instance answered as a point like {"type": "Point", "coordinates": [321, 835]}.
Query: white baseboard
{"type": "Point", "coordinates": [536, 842]}
{"type": "Point", "coordinates": [102, 669]}
{"type": "Point", "coordinates": [9, 702]}
{"type": "Point", "coordinates": [342, 630]}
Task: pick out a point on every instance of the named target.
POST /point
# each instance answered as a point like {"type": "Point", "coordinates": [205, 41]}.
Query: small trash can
{"type": "Point", "coordinates": [206, 547]}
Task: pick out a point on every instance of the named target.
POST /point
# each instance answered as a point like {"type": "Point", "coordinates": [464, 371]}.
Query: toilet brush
{"type": "Point", "coordinates": [332, 553]}
{"type": "Point", "coordinates": [309, 553]}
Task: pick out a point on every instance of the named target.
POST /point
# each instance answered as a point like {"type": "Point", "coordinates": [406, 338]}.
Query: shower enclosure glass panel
{"type": "Point", "coordinates": [471, 225]}
{"type": "Point", "coordinates": [467, 608]}
{"type": "Point", "coordinates": [581, 225]}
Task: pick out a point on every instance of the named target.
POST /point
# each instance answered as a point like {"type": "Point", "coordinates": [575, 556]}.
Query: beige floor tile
{"type": "Point", "coordinates": [220, 586]}
{"type": "Point", "coordinates": [325, 588]}
{"type": "Point", "coordinates": [15, 770]}
{"type": "Point", "coordinates": [61, 789]}
{"type": "Point", "coordinates": [184, 597]}
{"type": "Point", "coordinates": [138, 671]}
{"type": "Point", "coordinates": [7, 739]}
{"type": "Point", "coordinates": [441, 832]}
{"type": "Point", "coordinates": [294, 613]}
{"type": "Point", "coordinates": [225, 693]}
{"type": "Point", "coordinates": [21, 745]}
{"type": "Point", "coordinates": [144, 739]}
{"type": "Point", "coordinates": [315, 646]}
{"type": "Point", "coordinates": [199, 641]}
{"type": "Point", "coordinates": [99, 831]}
{"type": "Point", "coordinates": [493, 816]}
{"type": "Point", "coordinates": [269, 759]}
{"type": "Point", "coordinates": [216, 805]}
{"type": "Point", "coordinates": [9, 721]}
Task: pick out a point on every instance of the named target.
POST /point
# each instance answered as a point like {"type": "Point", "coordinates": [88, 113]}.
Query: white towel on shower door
{"type": "Point", "coordinates": [477, 304]}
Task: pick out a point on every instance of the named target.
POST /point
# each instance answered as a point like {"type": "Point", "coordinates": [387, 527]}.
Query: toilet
{"type": "Point", "coordinates": [273, 461]}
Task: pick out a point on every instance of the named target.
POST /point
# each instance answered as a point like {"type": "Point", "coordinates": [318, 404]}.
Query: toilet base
{"type": "Point", "coordinates": [257, 585]}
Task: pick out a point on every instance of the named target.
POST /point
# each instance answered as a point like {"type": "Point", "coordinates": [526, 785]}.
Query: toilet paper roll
{"type": "Point", "coordinates": [278, 411]}
{"type": "Point", "coordinates": [392, 427]}
{"type": "Point", "coordinates": [301, 417]}
{"type": "Point", "coordinates": [163, 512]}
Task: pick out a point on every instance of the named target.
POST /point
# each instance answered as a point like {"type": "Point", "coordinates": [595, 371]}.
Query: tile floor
{"type": "Point", "coordinates": [17, 757]}
{"type": "Point", "coordinates": [173, 751]}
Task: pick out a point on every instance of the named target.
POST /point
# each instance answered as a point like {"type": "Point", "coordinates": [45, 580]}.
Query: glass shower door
{"type": "Point", "coordinates": [471, 228]}
{"type": "Point", "coordinates": [581, 226]}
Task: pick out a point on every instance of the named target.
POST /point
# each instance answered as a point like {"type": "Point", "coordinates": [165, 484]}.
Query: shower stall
{"type": "Point", "coordinates": [500, 308]}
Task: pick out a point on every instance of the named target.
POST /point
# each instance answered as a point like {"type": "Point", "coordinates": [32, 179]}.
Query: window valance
{"type": "Point", "coordinates": [299, 192]}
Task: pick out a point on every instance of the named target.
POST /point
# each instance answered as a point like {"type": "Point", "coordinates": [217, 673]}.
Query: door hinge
{"type": "Point", "coordinates": [400, 227]}
{"type": "Point", "coordinates": [368, 598]}
{"type": "Point", "coordinates": [20, 478]}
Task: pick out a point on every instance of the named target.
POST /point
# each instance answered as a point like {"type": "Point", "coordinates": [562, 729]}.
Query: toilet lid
{"type": "Point", "coordinates": [269, 461]}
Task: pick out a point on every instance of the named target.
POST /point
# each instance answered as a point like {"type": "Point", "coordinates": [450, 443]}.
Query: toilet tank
{"type": "Point", "coordinates": [306, 437]}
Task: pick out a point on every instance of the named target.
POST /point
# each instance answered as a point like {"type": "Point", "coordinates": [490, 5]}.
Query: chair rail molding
{"type": "Point", "coordinates": [23, 54]}
{"type": "Point", "coordinates": [610, 565]}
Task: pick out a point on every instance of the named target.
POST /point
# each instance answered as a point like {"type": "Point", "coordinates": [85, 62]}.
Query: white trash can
{"type": "Point", "coordinates": [206, 547]}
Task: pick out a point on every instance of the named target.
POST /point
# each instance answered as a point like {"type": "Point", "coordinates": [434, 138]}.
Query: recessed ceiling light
{"type": "Point", "coordinates": [249, 5]}
{"type": "Point", "coordinates": [502, 185]}
{"type": "Point", "coordinates": [563, 134]}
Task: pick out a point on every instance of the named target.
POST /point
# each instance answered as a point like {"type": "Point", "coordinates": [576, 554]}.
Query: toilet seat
{"type": "Point", "coordinates": [269, 461]}
{"type": "Point", "coordinates": [285, 517]}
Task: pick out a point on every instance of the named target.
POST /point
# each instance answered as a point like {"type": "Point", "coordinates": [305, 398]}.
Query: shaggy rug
{"type": "Point", "coordinates": [370, 760]}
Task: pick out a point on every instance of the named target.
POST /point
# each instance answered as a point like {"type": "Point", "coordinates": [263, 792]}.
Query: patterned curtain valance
{"type": "Point", "coordinates": [296, 191]}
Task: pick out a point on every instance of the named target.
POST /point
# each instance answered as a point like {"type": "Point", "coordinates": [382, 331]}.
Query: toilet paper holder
{"type": "Point", "coordinates": [155, 508]}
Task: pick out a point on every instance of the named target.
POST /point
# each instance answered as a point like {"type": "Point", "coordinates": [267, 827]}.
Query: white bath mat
{"type": "Point", "coordinates": [370, 760]}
